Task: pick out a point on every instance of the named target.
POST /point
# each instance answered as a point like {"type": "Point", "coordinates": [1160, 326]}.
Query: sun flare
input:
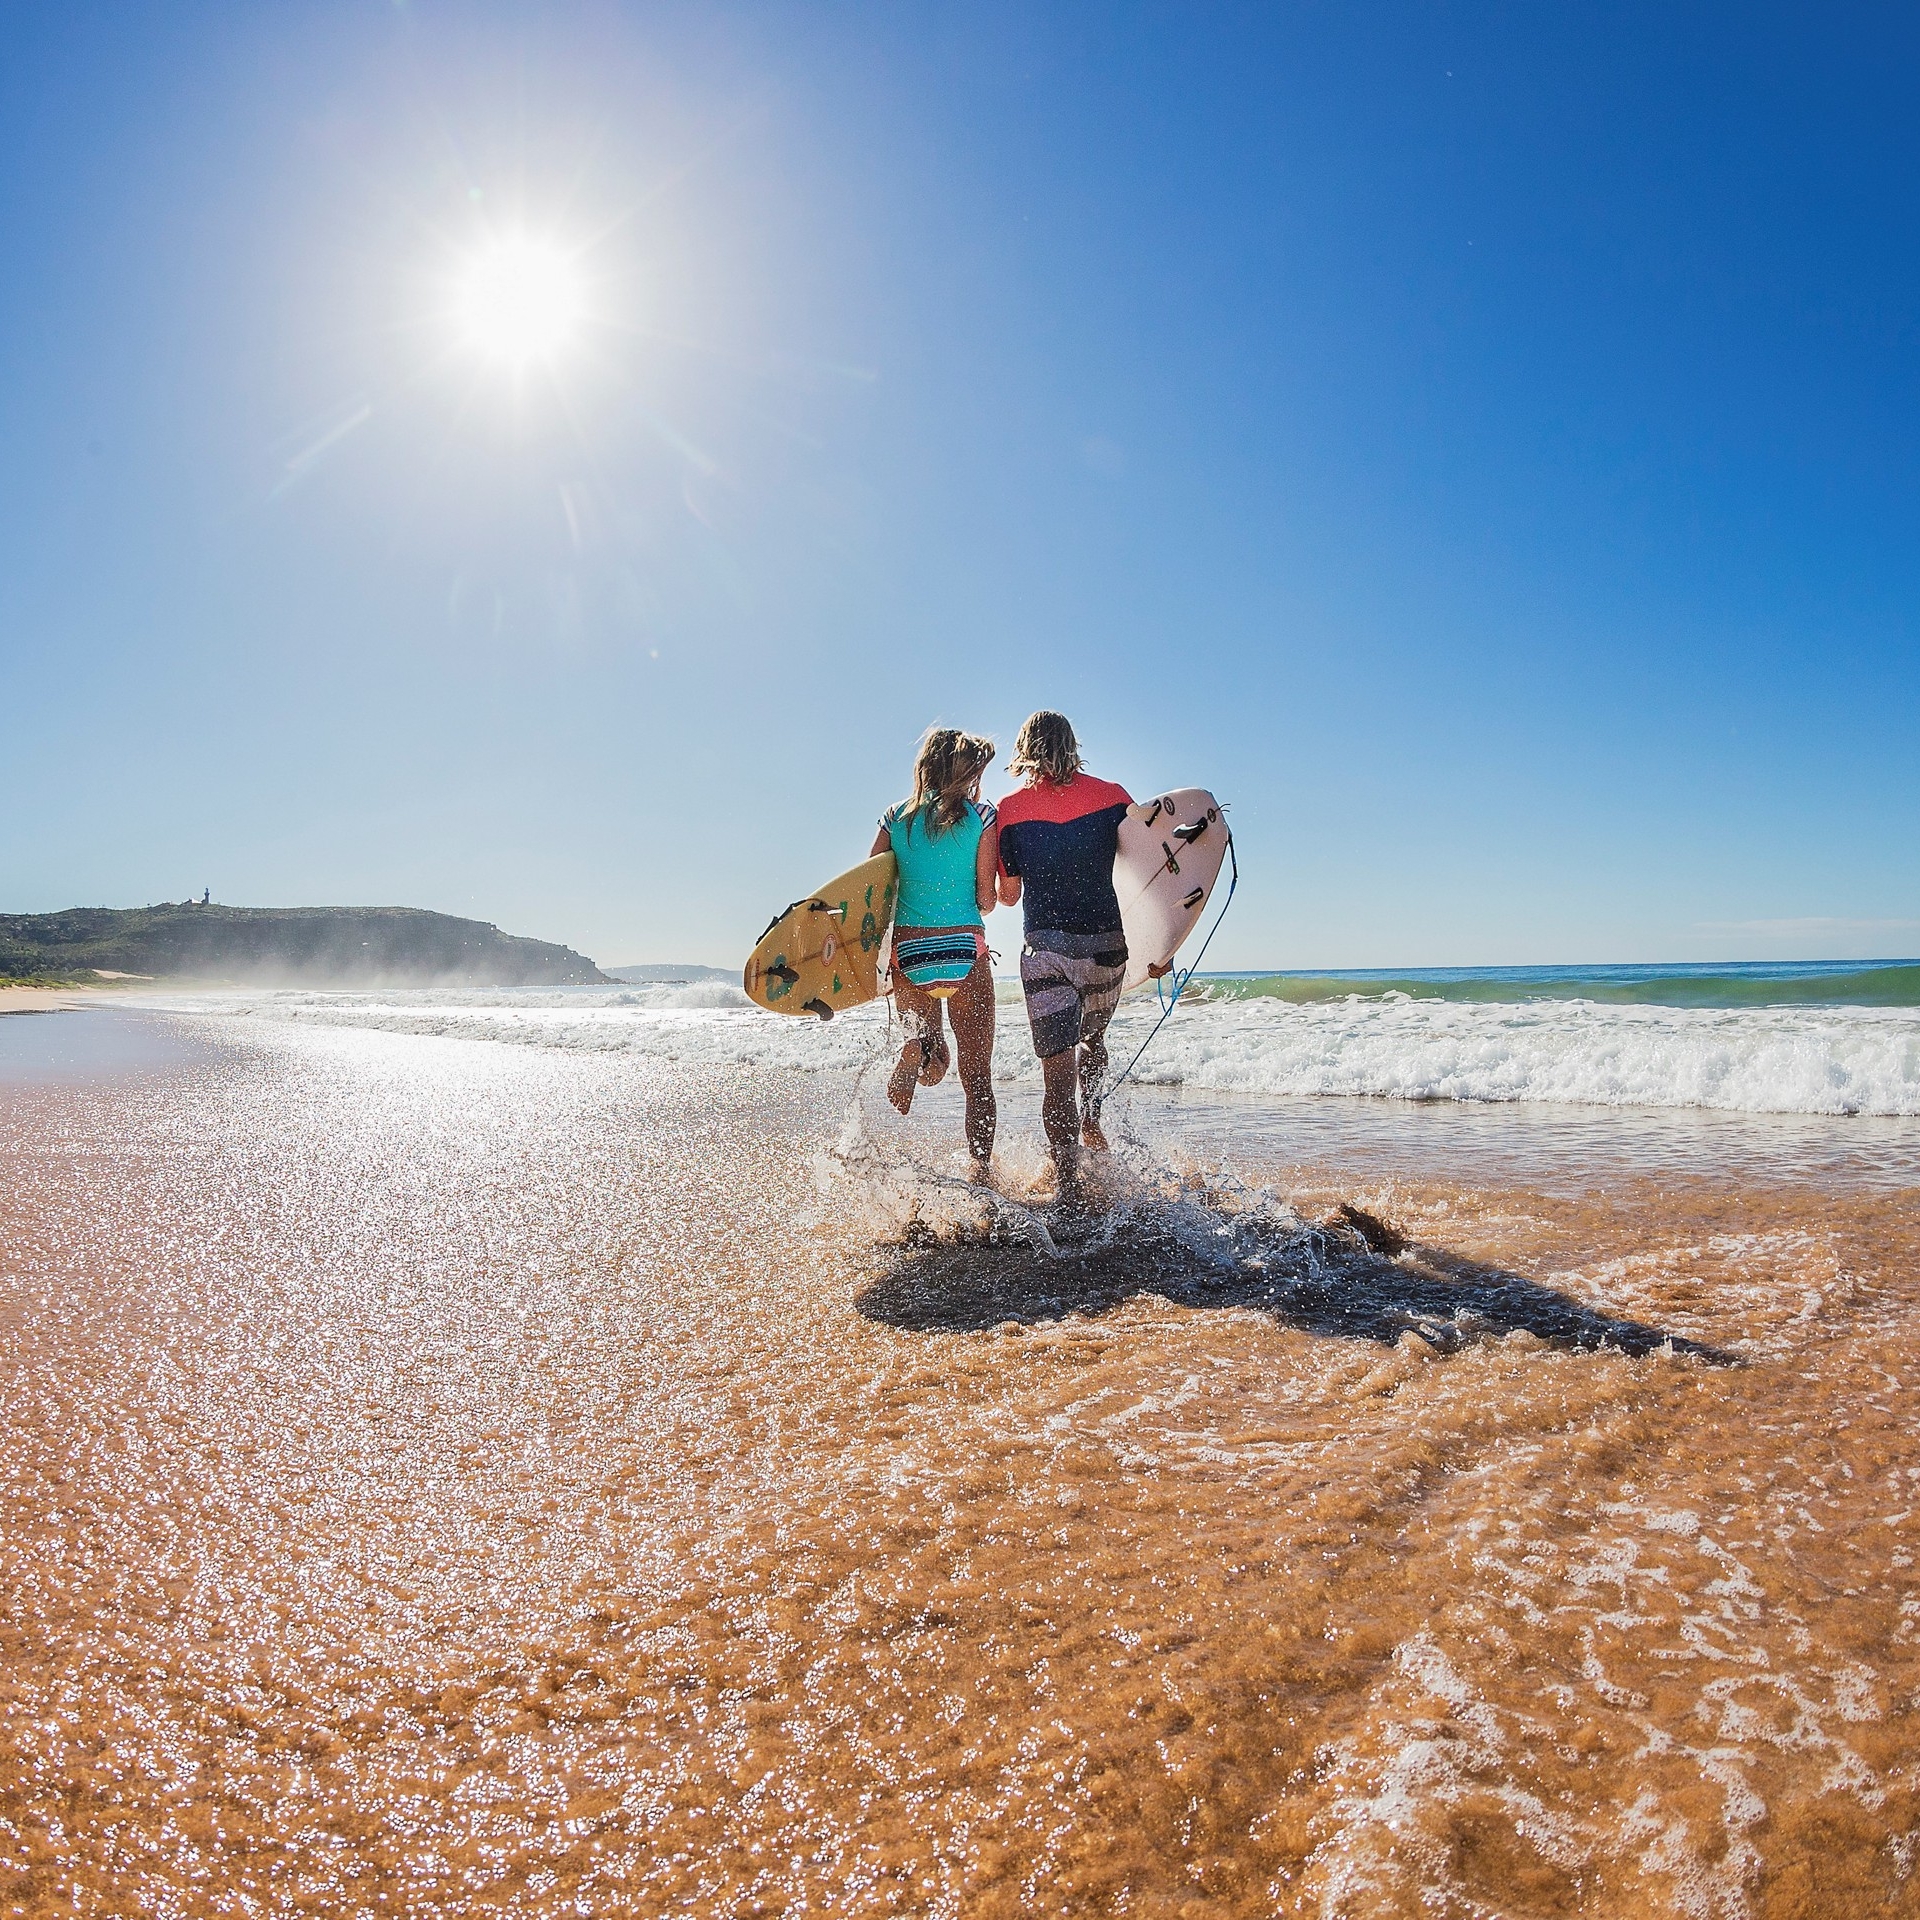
{"type": "Point", "coordinates": [519, 301]}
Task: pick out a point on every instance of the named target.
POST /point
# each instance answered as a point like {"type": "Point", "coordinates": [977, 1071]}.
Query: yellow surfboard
{"type": "Point", "coordinates": [825, 952]}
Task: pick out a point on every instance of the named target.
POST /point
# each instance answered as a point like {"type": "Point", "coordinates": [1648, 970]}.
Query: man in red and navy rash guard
{"type": "Point", "coordinates": [1058, 835]}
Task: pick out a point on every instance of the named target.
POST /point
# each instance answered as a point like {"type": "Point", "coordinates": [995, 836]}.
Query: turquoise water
{"type": "Point", "coordinates": [1759, 983]}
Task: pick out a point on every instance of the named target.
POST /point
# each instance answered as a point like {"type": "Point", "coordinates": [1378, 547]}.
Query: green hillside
{"type": "Point", "coordinates": [291, 946]}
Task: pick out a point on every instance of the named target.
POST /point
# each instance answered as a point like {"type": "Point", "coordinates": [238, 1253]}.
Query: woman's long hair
{"type": "Point", "coordinates": [944, 770]}
{"type": "Point", "coordinates": [1046, 749]}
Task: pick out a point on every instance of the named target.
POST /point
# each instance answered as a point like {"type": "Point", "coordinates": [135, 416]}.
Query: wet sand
{"type": "Point", "coordinates": [444, 1477]}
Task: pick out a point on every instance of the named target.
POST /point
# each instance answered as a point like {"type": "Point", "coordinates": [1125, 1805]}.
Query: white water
{"type": "Point", "coordinates": [1820, 1060]}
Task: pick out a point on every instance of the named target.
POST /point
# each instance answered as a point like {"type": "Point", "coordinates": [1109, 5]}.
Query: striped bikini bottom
{"type": "Point", "coordinates": [938, 962]}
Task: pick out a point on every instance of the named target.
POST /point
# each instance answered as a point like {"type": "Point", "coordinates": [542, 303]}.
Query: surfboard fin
{"type": "Point", "coordinates": [818, 1006]}
{"type": "Point", "coordinates": [781, 971]}
{"type": "Point", "coordinates": [1192, 833]}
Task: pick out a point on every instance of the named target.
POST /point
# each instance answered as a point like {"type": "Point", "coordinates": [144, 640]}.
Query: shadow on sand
{"type": "Point", "coordinates": [1353, 1278]}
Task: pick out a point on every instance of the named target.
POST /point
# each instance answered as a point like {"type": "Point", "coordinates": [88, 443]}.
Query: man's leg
{"type": "Point", "coordinates": [1053, 1008]}
{"type": "Point", "coordinates": [1097, 1002]}
{"type": "Point", "coordinates": [1060, 1115]}
{"type": "Point", "coordinates": [1093, 1070]}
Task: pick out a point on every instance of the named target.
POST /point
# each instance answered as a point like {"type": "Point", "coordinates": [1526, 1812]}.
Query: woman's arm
{"type": "Point", "coordinates": [881, 842]}
{"type": "Point", "coordinates": [986, 863]}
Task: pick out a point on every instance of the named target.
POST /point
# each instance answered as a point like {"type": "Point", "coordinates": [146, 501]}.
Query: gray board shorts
{"type": "Point", "coordinates": [1072, 983]}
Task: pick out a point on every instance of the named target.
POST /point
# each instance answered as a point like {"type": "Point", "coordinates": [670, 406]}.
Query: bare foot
{"type": "Point", "coordinates": [1091, 1135]}
{"type": "Point", "coordinates": [1066, 1179]}
{"type": "Point", "coordinates": [934, 1066]}
{"type": "Point", "coordinates": [1072, 1200]}
{"type": "Point", "coordinates": [980, 1172]}
{"type": "Point", "coordinates": [906, 1076]}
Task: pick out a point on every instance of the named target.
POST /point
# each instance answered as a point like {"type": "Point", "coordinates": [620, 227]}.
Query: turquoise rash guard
{"type": "Point", "coordinates": [937, 889]}
{"type": "Point", "coordinates": [937, 868]}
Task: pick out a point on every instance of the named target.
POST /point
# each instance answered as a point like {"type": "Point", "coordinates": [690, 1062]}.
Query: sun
{"type": "Point", "coordinates": [519, 300]}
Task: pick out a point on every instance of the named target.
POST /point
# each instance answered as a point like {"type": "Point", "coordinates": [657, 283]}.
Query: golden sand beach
{"type": "Point", "coordinates": [444, 1478]}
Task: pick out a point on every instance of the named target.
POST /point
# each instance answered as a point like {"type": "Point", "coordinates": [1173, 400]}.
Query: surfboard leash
{"type": "Point", "coordinates": [1179, 976]}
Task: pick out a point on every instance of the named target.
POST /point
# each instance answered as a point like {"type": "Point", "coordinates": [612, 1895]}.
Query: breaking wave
{"type": "Point", "coordinates": [1813, 1060]}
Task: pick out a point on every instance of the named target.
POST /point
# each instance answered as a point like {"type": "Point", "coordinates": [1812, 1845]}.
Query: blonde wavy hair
{"type": "Point", "coordinates": [1046, 749]}
{"type": "Point", "coordinates": [944, 770]}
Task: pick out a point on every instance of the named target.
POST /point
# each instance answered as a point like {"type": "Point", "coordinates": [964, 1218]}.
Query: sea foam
{"type": "Point", "coordinates": [1815, 1060]}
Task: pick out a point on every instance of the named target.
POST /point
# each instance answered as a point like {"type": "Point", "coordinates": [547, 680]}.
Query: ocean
{"type": "Point", "coordinates": [1815, 1038]}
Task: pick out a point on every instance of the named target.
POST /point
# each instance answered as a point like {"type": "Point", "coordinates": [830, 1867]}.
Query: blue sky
{"type": "Point", "coordinates": [1477, 442]}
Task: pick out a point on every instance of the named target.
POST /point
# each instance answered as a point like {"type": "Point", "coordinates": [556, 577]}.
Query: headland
{"type": "Point", "coordinates": [281, 946]}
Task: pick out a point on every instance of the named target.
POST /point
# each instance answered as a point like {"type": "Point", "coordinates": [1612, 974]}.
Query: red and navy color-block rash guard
{"type": "Point", "coordinates": [1060, 841]}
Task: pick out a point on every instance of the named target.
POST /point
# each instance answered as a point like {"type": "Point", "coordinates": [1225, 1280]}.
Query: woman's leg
{"type": "Point", "coordinates": [973, 1015]}
{"type": "Point", "coordinates": [919, 1013]}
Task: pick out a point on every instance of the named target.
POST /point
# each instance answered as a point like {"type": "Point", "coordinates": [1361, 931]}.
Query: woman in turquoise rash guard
{"type": "Point", "coordinates": [943, 839]}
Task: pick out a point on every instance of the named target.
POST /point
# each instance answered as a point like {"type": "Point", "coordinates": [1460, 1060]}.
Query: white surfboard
{"type": "Point", "coordinates": [1171, 850]}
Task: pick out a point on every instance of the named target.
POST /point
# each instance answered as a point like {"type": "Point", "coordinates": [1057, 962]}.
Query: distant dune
{"type": "Point", "coordinates": [285, 946]}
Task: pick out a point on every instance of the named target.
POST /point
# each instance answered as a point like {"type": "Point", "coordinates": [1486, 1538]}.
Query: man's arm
{"type": "Point", "coordinates": [1006, 867]}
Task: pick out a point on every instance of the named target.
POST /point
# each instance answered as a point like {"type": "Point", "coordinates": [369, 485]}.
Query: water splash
{"type": "Point", "coordinates": [948, 1254]}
